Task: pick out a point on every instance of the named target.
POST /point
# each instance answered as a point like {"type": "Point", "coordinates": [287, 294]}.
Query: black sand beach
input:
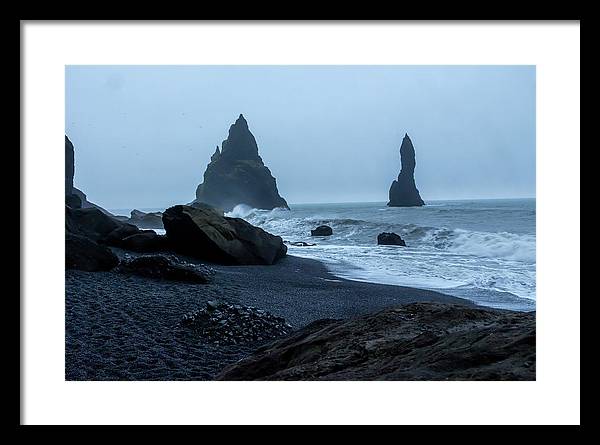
{"type": "Point", "coordinates": [121, 327]}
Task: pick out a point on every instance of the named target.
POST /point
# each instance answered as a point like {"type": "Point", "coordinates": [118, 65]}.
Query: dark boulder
{"type": "Point", "coordinates": [116, 237]}
{"type": "Point", "coordinates": [390, 239]}
{"type": "Point", "coordinates": [145, 241]}
{"type": "Point", "coordinates": [322, 231]}
{"type": "Point", "coordinates": [403, 191]}
{"type": "Point", "coordinates": [91, 223]}
{"type": "Point", "coordinates": [204, 234]}
{"type": "Point", "coordinates": [203, 205]}
{"type": "Point", "coordinates": [236, 174]}
{"type": "Point", "coordinates": [165, 268]}
{"type": "Point", "coordinates": [84, 254]}
{"type": "Point", "coordinates": [419, 341]}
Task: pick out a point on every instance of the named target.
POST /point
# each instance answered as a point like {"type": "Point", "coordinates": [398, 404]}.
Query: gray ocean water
{"type": "Point", "coordinates": [482, 250]}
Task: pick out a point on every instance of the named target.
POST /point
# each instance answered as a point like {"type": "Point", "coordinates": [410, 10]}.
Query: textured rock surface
{"type": "Point", "coordinates": [403, 192]}
{"type": "Point", "coordinates": [237, 175]}
{"type": "Point", "coordinates": [322, 231]}
{"type": "Point", "coordinates": [116, 236]}
{"type": "Point", "coordinates": [166, 268]}
{"type": "Point", "coordinates": [73, 201]}
{"type": "Point", "coordinates": [90, 222]}
{"type": "Point", "coordinates": [99, 227]}
{"type": "Point", "coordinates": [419, 341]}
{"type": "Point", "coordinates": [223, 323]}
{"type": "Point", "coordinates": [84, 254]}
{"type": "Point", "coordinates": [390, 239]}
{"type": "Point", "coordinates": [205, 234]}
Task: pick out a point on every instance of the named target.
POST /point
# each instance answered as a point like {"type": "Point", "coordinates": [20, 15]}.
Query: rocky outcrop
{"type": "Point", "coordinates": [116, 236]}
{"type": "Point", "coordinates": [231, 324]}
{"type": "Point", "coordinates": [73, 201]}
{"type": "Point", "coordinates": [403, 192]}
{"type": "Point", "coordinates": [205, 234]}
{"type": "Point", "coordinates": [201, 205]}
{"type": "Point", "coordinates": [91, 223]}
{"type": "Point", "coordinates": [322, 231]}
{"type": "Point", "coordinates": [390, 239]}
{"type": "Point", "coordinates": [84, 254]}
{"type": "Point", "coordinates": [85, 204]}
{"type": "Point", "coordinates": [419, 341]}
{"type": "Point", "coordinates": [236, 174]}
{"type": "Point", "coordinates": [165, 268]}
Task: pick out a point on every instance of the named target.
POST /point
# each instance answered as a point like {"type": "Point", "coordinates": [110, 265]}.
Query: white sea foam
{"type": "Point", "coordinates": [455, 248]}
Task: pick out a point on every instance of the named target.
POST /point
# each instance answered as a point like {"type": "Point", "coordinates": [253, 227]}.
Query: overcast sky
{"type": "Point", "coordinates": [143, 135]}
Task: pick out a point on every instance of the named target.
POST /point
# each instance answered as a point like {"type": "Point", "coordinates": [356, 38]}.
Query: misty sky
{"type": "Point", "coordinates": [143, 135]}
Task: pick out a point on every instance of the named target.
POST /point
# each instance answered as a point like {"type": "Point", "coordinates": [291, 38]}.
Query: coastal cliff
{"type": "Point", "coordinates": [403, 192]}
{"type": "Point", "coordinates": [236, 174]}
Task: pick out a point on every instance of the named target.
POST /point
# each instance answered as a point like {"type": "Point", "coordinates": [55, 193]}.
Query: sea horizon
{"type": "Point", "coordinates": [160, 208]}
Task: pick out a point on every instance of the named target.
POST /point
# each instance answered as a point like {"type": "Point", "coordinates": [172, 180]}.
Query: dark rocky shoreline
{"type": "Point", "coordinates": [128, 327]}
{"type": "Point", "coordinates": [417, 341]}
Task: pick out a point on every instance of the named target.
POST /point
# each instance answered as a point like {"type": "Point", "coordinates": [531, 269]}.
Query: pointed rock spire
{"type": "Point", "coordinates": [216, 155]}
{"type": "Point", "coordinates": [237, 174]}
{"type": "Point", "coordinates": [240, 142]}
{"type": "Point", "coordinates": [403, 192]}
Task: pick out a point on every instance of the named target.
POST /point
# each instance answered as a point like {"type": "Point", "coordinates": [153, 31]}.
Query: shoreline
{"type": "Point", "coordinates": [121, 327]}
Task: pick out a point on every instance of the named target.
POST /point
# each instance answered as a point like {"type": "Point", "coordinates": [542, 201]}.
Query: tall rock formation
{"type": "Point", "coordinates": [69, 166]}
{"type": "Point", "coordinates": [236, 174]}
{"type": "Point", "coordinates": [403, 192]}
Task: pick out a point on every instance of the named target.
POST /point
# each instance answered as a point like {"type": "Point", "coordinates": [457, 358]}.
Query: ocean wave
{"type": "Point", "coordinates": [244, 211]}
{"type": "Point", "coordinates": [493, 268]}
{"type": "Point", "coordinates": [499, 245]}
{"type": "Point", "coordinates": [509, 246]}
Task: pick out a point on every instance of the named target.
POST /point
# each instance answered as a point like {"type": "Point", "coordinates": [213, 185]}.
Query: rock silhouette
{"type": "Point", "coordinates": [390, 239]}
{"type": "Point", "coordinates": [403, 192]}
{"type": "Point", "coordinates": [236, 174]}
{"type": "Point", "coordinates": [322, 231]}
{"type": "Point", "coordinates": [69, 166]}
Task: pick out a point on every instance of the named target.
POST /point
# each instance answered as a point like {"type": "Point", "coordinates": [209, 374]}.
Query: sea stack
{"type": "Point", "coordinates": [403, 192]}
{"type": "Point", "coordinates": [236, 174]}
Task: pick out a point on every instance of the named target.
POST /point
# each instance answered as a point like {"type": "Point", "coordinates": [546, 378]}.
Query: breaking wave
{"type": "Point", "coordinates": [471, 263]}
